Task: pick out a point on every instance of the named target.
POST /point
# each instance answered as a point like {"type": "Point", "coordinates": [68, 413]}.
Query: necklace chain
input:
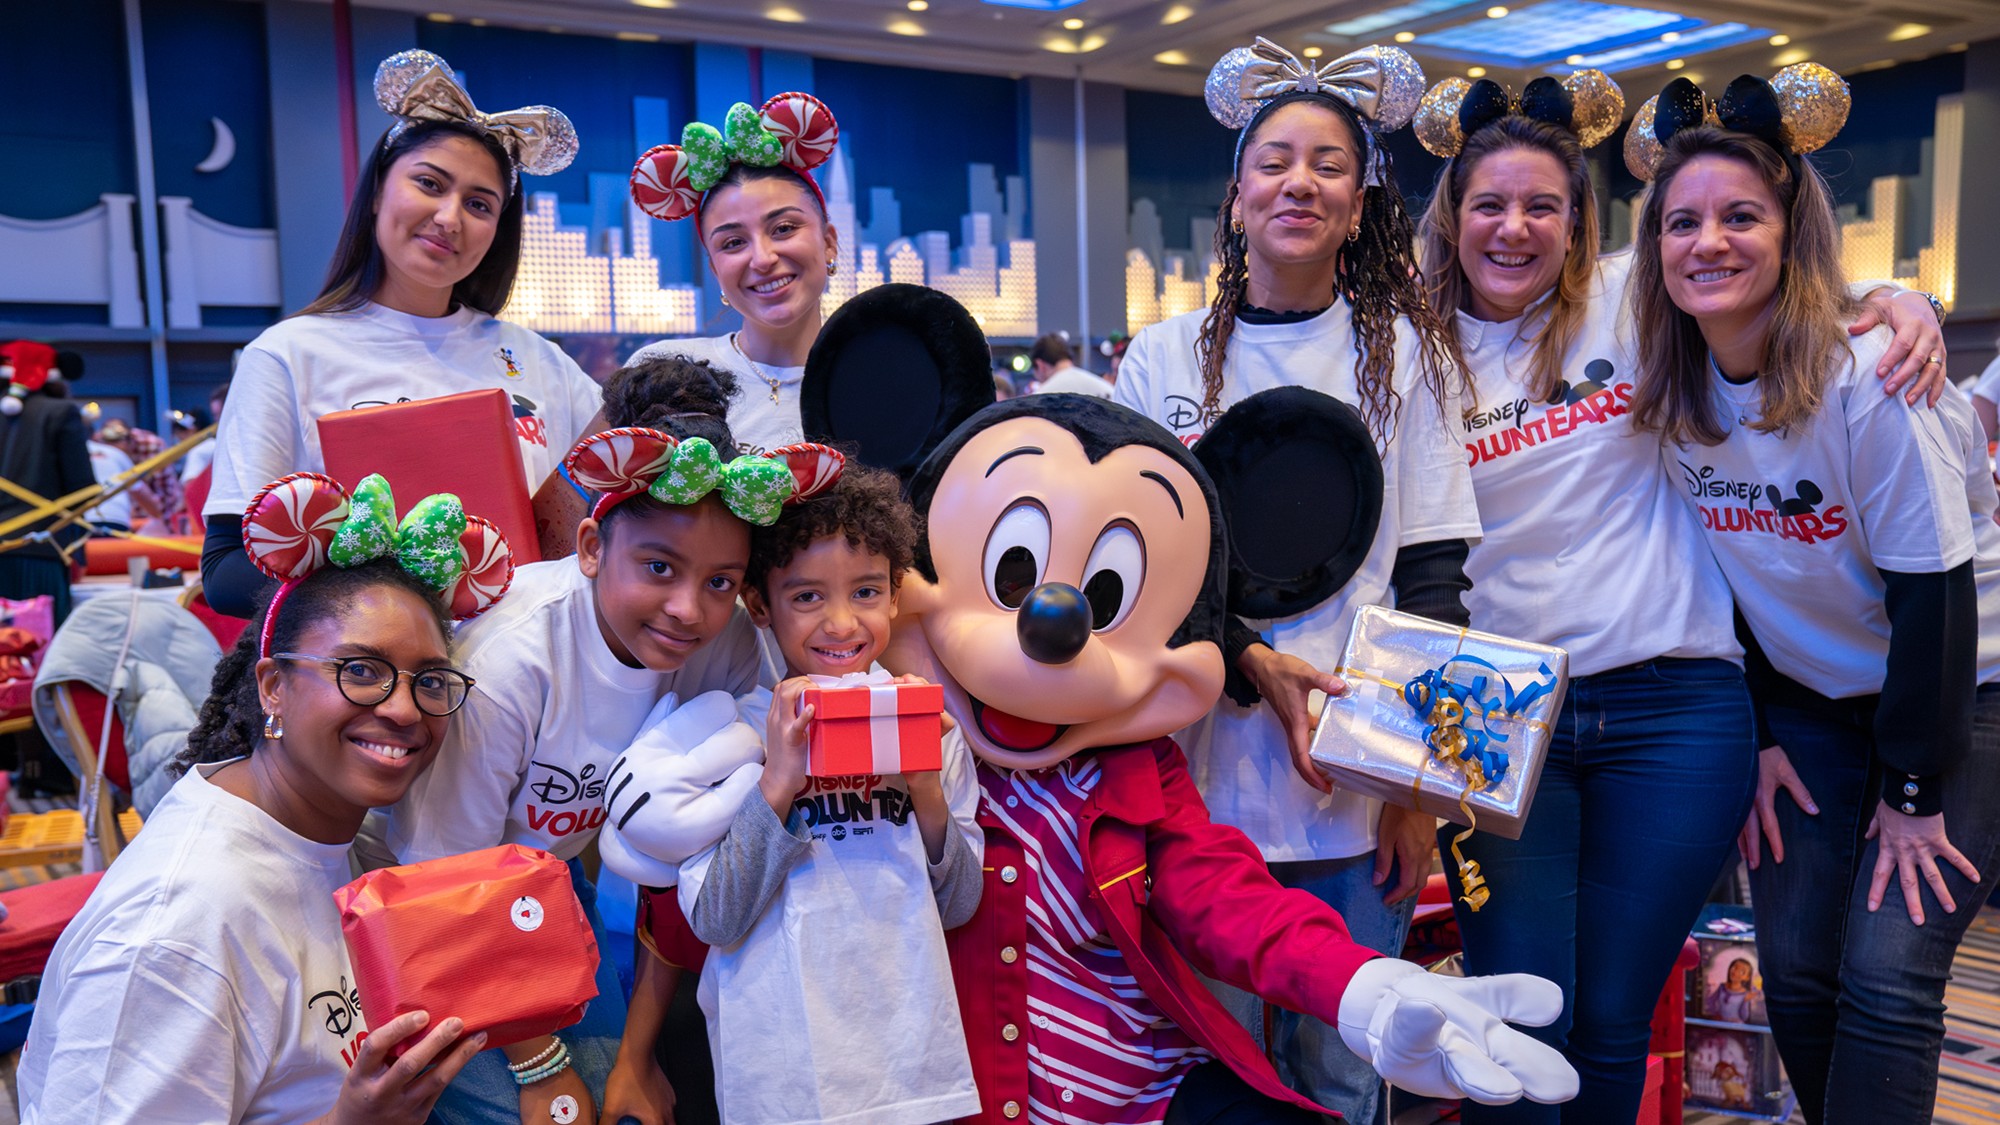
{"type": "Point", "coordinates": [755, 367]}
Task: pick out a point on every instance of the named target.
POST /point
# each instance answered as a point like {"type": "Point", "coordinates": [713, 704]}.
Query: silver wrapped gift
{"type": "Point", "coordinates": [1373, 741]}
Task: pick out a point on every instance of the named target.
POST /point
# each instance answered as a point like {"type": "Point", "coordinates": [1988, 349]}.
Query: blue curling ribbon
{"type": "Point", "coordinates": [1445, 705]}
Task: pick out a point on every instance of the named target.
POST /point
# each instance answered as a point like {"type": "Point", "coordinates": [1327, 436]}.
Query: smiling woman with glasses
{"type": "Point", "coordinates": [368, 681]}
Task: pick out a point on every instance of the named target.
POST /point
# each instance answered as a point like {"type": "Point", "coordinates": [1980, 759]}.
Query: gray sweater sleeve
{"type": "Point", "coordinates": [956, 881]}
{"type": "Point", "coordinates": [749, 869]}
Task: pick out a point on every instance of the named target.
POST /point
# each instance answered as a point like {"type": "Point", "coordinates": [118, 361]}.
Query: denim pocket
{"type": "Point", "coordinates": [1671, 671]}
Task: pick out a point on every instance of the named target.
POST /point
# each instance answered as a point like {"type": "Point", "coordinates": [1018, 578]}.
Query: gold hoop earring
{"type": "Point", "coordinates": [1354, 235]}
{"type": "Point", "coordinates": [1236, 226]}
{"type": "Point", "coordinates": [832, 268]}
{"type": "Point", "coordinates": [274, 727]}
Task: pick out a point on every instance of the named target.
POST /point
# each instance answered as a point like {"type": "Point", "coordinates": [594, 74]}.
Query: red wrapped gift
{"type": "Point", "coordinates": [869, 724]}
{"type": "Point", "coordinates": [495, 937]}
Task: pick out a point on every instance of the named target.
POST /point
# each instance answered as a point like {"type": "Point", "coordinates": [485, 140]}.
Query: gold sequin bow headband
{"type": "Point", "coordinates": [1383, 84]}
{"type": "Point", "coordinates": [1798, 111]}
{"type": "Point", "coordinates": [1587, 104]}
{"type": "Point", "coordinates": [417, 86]}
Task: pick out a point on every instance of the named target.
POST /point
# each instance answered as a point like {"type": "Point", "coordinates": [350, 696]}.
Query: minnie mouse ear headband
{"type": "Point", "coordinates": [625, 462]}
{"type": "Point", "coordinates": [1382, 84]}
{"type": "Point", "coordinates": [794, 129]}
{"type": "Point", "coordinates": [300, 523]}
{"type": "Point", "coordinates": [1586, 103]}
{"type": "Point", "coordinates": [1798, 111]}
{"type": "Point", "coordinates": [417, 86]}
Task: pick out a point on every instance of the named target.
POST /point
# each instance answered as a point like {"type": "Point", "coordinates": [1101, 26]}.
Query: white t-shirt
{"type": "Point", "coordinates": [1074, 381]}
{"type": "Point", "coordinates": [107, 462]}
{"type": "Point", "coordinates": [1801, 519]}
{"type": "Point", "coordinates": [308, 366]}
{"type": "Point", "coordinates": [1239, 756]}
{"type": "Point", "coordinates": [550, 710]}
{"type": "Point", "coordinates": [764, 414]}
{"type": "Point", "coordinates": [838, 1005]}
{"type": "Point", "coordinates": [205, 980]}
{"type": "Point", "coordinates": [1987, 386]}
{"type": "Point", "coordinates": [1587, 546]}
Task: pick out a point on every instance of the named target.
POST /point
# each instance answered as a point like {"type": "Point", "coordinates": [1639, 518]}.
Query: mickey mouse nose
{"type": "Point", "coordinates": [1054, 623]}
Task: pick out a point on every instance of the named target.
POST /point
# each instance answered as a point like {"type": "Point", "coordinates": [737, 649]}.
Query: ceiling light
{"type": "Point", "coordinates": [919, 5]}
{"type": "Point", "coordinates": [445, 17]}
{"type": "Point", "coordinates": [1780, 40]}
{"type": "Point", "coordinates": [1091, 44]}
{"type": "Point", "coordinates": [477, 22]}
{"type": "Point", "coordinates": [1676, 64]}
{"type": "Point", "coordinates": [1405, 36]}
{"type": "Point", "coordinates": [1172, 58]}
{"type": "Point", "coordinates": [1475, 72]}
{"type": "Point", "coordinates": [1670, 37]}
{"type": "Point", "coordinates": [1647, 53]}
{"type": "Point", "coordinates": [1495, 12]}
{"type": "Point", "coordinates": [1787, 58]}
{"type": "Point", "coordinates": [1574, 60]}
{"type": "Point", "coordinates": [1177, 13]}
{"type": "Point", "coordinates": [1909, 31]}
{"type": "Point", "coordinates": [906, 27]}
{"type": "Point", "coordinates": [1313, 52]}
{"type": "Point", "coordinates": [1073, 24]}
{"type": "Point", "coordinates": [638, 37]}
{"type": "Point", "coordinates": [784, 15]}
{"type": "Point", "coordinates": [654, 3]}
{"type": "Point", "coordinates": [1059, 45]}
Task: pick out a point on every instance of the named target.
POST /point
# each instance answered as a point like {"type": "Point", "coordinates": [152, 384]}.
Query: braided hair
{"type": "Point", "coordinates": [232, 717]}
{"type": "Point", "coordinates": [1376, 275]}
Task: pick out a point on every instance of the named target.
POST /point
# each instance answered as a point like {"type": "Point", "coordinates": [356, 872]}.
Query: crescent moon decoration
{"type": "Point", "coordinates": [224, 151]}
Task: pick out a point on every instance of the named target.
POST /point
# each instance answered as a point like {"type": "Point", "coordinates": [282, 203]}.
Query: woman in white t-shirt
{"type": "Point", "coordinates": [206, 980]}
{"type": "Point", "coordinates": [1586, 547]}
{"type": "Point", "coordinates": [424, 265]}
{"type": "Point", "coordinates": [1319, 289]}
{"type": "Point", "coordinates": [1856, 532]}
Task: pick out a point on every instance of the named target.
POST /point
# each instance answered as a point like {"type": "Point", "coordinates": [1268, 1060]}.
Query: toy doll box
{"type": "Point", "coordinates": [465, 444]}
{"type": "Point", "coordinates": [1735, 1070]}
{"type": "Point", "coordinates": [872, 725]}
{"type": "Point", "coordinates": [495, 937]}
{"type": "Point", "coordinates": [1373, 741]}
{"type": "Point", "coordinates": [1726, 985]}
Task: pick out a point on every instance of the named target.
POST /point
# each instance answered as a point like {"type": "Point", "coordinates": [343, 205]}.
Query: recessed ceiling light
{"type": "Point", "coordinates": [1172, 58]}
{"type": "Point", "coordinates": [1406, 36]}
{"type": "Point", "coordinates": [1177, 13]}
{"type": "Point", "coordinates": [919, 5]}
{"type": "Point", "coordinates": [783, 15]}
{"type": "Point", "coordinates": [1574, 60]}
{"type": "Point", "coordinates": [1787, 58]}
{"type": "Point", "coordinates": [1676, 64]}
{"type": "Point", "coordinates": [906, 27]}
{"type": "Point", "coordinates": [1780, 40]}
{"type": "Point", "coordinates": [1091, 44]}
{"type": "Point", "coordinates": [1313, 52]}
{"type": "Point", "coordinates": [1671, 37]}
{"type": "Point", "coordinates": [1495, 12]}
{"type": "Point", "coordinates": [1073, 24]}
{"type": "Point", "coordinates": [439, 17]}
{"type": "Point", "coordinates": [638, 37]}
{"type": "Point", "coordinates": [1475, 72]}
{"type": "Point", "coordinates": [1909, 31]}
{"type": "Point", "coordinates": [654, 3]}
{"type": "Point", "coordinates": [477, 22]}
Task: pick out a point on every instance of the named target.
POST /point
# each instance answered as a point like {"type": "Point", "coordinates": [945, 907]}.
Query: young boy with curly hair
{"type": "Point", "coordinates": [828, 991]}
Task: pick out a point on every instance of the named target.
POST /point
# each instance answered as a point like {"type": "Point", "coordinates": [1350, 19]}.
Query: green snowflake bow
{"type": "Point", "coordinates": [755, 488]}
{"type": "Point", "coordinates": [743, 140]}
{"type": "Point", "coordinates": [425, 543]}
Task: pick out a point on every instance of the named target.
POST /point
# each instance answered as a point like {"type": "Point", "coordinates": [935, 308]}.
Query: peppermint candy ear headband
{"type": "Point", "coordinates": [417, 86]}
{"type": "Point", "coordinates": [625, 462]}
{"type": "Point", "coordinates": [300, 523]}
{"type": "Point", "coordinates": [1382, 84]}
{"type": "Point", "coordinates": [1587, 103]}
{"type": "Point", "coordinates": [1798, 111]}
{"type": "Point", "coordinates": [794, 129]}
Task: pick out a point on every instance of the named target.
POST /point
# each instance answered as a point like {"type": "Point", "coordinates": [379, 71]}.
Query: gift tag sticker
{"type": "Point", "coordinates": [563, 1109]}
{"type": "Point", "coordinates": [527, 916]}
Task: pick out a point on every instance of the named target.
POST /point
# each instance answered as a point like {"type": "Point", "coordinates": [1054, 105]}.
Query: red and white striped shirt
{"type": "Point", "coordinates": [1099, 1051]}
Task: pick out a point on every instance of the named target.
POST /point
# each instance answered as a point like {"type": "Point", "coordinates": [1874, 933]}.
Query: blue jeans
{"type": "Point", "coordinates": [484, 1093]}
{"type": "Point", "coordinates": [1857, 999]}
{"type": "Point", "coordinates": [1309, 1053]}
{"type": "Point", "coordinates": [1649, 777]}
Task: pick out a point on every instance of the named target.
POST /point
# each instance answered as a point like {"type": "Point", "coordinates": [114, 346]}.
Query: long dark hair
{"type": "Point", "coordinates": [1377, 275]}
{"type": "Point", "coordinates": [1445, 278]}
{"type": "Point", "coordinates": [232, 718]}
{"type": "Point", "coordinates": [357, 268]}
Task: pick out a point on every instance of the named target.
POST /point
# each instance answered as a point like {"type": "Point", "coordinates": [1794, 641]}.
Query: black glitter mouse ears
{"type": "Point", "coordinates": [1799, 110]}
{"type": "Point", "coordinates": [1587, 103]}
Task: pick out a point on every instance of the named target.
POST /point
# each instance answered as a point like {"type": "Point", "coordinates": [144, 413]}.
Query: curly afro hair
{"type": "Point", "coordinates": [866, 506]}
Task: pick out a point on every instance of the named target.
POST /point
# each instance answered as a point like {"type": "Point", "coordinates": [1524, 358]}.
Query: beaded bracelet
{"type": "Point", "coordinates": [548, 1069]}
{"type": "Point", "coordinates": [555, 1044]}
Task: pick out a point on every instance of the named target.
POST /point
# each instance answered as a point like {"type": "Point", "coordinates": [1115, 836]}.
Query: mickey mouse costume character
{"type": "Point", "coordinates": [1069, 596]}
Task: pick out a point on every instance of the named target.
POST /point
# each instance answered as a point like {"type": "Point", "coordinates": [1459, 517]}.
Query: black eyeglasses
{"type": "Point", "coordinates": [367, 681]}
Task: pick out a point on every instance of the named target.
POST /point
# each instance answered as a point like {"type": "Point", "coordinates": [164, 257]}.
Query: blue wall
{"type": "Point", "coordinates": [222, 42]}
{"type": "Point", "coordinates": [68, 125]}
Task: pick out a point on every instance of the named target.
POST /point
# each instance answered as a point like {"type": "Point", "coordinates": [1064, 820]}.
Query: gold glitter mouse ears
{"type": "Point", "coordinates": [417, 86]}
{"type": "Point", "coordinates": [1587, 103]}
{"type": "Point", "coordinates": [1798, 111]}
{"type": "Point", "coordinates": [1382, 84]}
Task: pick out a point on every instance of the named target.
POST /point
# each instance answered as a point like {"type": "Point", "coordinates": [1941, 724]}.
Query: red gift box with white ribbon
{"type": "Point", "coordinates": [869, 724]}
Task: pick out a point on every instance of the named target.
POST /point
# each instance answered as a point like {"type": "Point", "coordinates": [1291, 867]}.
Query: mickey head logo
{"type": "Point", "coordinates": [526, 914]}
{"type": "Point", "coordinates": [1597, 375]}
{"type": "Point", "coordinates": [1809, 495]}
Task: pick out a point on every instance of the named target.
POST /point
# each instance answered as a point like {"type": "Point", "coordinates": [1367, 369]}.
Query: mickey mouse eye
{"type": "Point", "coordinates": [1113, 575]}
{"type": "Point", "coordinates": [1017, 552]}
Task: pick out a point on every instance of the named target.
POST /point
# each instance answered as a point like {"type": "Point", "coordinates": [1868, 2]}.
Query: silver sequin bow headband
{"type": "Point", "coordinates": [1383, 84]}
{"type": "Point", "coordinates": [417, 86]}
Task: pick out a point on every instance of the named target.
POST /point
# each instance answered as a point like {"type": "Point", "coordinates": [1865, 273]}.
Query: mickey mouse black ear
{"type": "Point", "coordinates": [894, 371]}
{"type": "Point", "coordinates": [1300, 486]}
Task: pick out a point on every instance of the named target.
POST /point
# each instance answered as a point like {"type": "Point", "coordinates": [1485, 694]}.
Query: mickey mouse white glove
{"type": "Point", "coordinates": [676, 789]}
{"type": "Point", "coordinates": [1443, 1037]}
